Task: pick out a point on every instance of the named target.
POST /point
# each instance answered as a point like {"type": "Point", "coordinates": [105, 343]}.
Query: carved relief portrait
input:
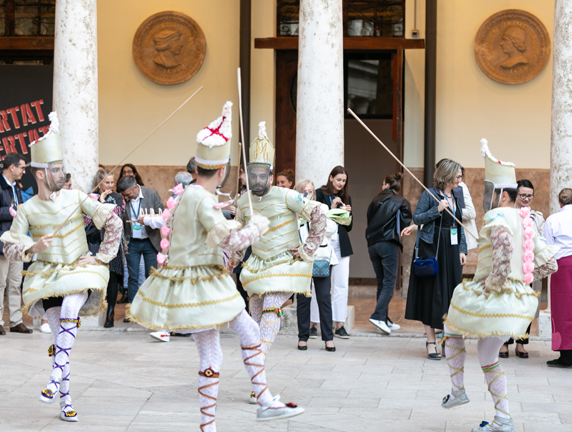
{"type": "Point", "coordinates": [169, 48]}
{"type": "Point", "coordinates": [512, 47]}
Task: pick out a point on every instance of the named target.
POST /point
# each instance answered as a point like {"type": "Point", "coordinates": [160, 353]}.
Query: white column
{"type": "Point", "coordinates": [75, 88]}
{"type": "Point", "coordinates": [320, 99]}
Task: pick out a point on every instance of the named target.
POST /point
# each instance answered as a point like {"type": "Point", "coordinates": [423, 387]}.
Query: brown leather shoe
{"type": "Point", "coordinates": [2, 331]}
{"type": "Point", "coordinates": [20, 328]}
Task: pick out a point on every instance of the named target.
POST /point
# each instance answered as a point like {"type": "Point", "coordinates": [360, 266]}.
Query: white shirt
{"type": "Point", "coordinates": [135, 206]}
{"type": "Point", "coordinates": [13, 190]}
{"type": "Point", "coordinates": [558, 231]}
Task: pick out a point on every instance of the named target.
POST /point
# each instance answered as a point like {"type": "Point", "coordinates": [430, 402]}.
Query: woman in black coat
{"type": "Point", "coordinates": [335, 195]}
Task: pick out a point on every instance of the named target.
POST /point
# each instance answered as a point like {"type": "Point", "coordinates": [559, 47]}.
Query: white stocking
{"type": "Point", "coordinates": [488, 352]}
{"type": "Point", "coordinates": [249, 334]}
{"type": "Point", "coordinates": [210, 353]}
{"type": "Point", "coordinates": [69, 324]}
{"type": "Point", "coordinates": [270, 321]}
{"type": "Point", "coordinates": [255, 308]}
{"type": "Point", "coordinates": [455, 354]}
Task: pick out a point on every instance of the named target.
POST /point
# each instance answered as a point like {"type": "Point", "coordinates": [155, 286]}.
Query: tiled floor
{"type": "Point", "coordinates": [126, 381]}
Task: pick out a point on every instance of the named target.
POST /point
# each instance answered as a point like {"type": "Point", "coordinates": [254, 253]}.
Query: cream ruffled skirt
{"type": "Point", "coordinates": [194, 297]}
{"type": "Point", "coordinates": [281, 273]}
{"type": "Point", "coordinates": [475, 313]}
{"type": "Point", "coordinates": [43, 280]}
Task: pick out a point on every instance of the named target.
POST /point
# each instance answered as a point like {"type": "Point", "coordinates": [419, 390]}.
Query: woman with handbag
{"type": "Point", "coordinates": [440, 253]}
{"type": "Point", "coordinates": [386, 214]}
{"type": "Point", "coordinates": [324, 260]}
{"type": "Point", "coordinates": [335, 195]}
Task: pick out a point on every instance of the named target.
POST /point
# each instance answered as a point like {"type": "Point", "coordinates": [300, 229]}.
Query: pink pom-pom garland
{"type": "Point", "coordinates": [179, 189]}
{"type": "Point", "coordinates": [166, 215]}
{"type": "Point", "coordinates": [161, 259]}
{"type": "Point", "coordinates": [165, 231]}
{"type": "Point", "coordinates": [165, 244]}
{"type": "Point", "coordinates": [528, 257]}
{"type": "Point", "coordinates": [171, 203]}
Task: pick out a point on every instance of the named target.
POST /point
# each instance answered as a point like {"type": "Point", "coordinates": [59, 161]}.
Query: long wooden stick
{"type": "Point", "coordinates": [407, 169]}
{"type": "Point", "coordinates": [129, 154]}
{"type": "Point", "coordinates": [243, 143]}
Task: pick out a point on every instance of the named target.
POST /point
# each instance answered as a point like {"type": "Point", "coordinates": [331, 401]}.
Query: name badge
{"type": "Point", "coordinates": [454, 237]}
{"type": "Point", "coordinates": [137, 226]}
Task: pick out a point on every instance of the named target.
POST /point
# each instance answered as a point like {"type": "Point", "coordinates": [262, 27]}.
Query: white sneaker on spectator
{"type": "Point", "coordinates": [45, 328]}
{"type": "Point", "coordinates": [162, 335]}
{"type": "Point", "coordinates": [392, 325]}
{"type": "Point", "coordinates": [380, 325]}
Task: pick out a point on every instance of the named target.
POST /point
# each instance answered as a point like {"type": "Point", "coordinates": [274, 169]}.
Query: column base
{"type": "Point", "coordinates": [545, 324]}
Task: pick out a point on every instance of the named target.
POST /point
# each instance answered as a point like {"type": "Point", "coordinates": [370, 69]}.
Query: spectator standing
{"type": "Point", "coordinates": [192, 168]}
{"type": "Point", "coordinates": [524, 197]}
{"type": "Point", "coordinates": [106, 195]}
{"type": "Point", "coordinates": [386, 214]}
{"type": "Point", "coordinates": [428, 298]}
{"type": "Point", "coordinates": [558, 232]}
{"type": "Point", "coordinates": [143, 241]}
{"type": "Point", "coordinates": [68, 182]}
{"type": "Point", "coordinates": [335, 195]}
{"type": "Point", "coordinates": [13, 167]}
{"type": "Point", "coordinates": [285, 179]}
{"type": "Point", "coordinates": [321, 285]}
{"type": "Point", "coordinates": [130, 170]}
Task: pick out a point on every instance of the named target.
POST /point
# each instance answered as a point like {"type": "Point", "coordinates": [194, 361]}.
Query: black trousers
{"type": "Point", "coordinates": [322, 287]}
{"type": "Point", "coordinates": [115, 280]}
{"type": "Point", "coordinates": [520, 341]}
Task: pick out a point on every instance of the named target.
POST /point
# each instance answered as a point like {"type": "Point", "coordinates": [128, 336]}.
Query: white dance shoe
{"type": "Point", "coordinates": [458, 397]}
{"type": "Point", "coordinates": [252, 398]}
{"type": "Point", "coordinates": [69, 415]}
{"type": "Point", "coordinates": [499, 424]}
{"type": "Point", "coordinates": [276, 410]}
{"type": "Point", "coordinates": [162, 335]}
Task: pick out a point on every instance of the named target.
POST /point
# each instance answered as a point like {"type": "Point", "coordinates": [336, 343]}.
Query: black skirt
{"type": "Point", "coordinates": [428, 298]}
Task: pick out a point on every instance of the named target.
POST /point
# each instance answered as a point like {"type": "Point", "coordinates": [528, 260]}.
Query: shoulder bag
{"type": "Point", "coordinates": [428, 267]}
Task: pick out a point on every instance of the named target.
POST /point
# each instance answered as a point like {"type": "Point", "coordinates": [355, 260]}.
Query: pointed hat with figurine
{"type": "Point", "coordinates": [213, 149]}
{"type": "Point", "coordinates": [47, 149]}
{"type": "Point", "coordinates": [502, 174]}
{"type": "Point", "coordinates": [262, 150]}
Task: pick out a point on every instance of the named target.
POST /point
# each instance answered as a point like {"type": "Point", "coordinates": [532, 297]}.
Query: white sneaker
{"type": "Point", "coordinates": [162, 335]}
{"type": "Point", "coordinates": [393, 326]}
{"type": "Point", "coordinates": [277, 410]}
{"type": "Point", "coordinates": [382, 325]}
{"type": "Point", "coordinates": [45, 328]}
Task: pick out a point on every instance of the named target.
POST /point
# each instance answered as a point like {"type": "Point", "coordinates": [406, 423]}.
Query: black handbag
{"type": "Point", "coordinates": [428, 267]}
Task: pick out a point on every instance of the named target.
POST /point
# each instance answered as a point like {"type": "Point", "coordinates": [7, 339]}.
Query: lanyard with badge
{"type": "Point", "coordinates": [454, 229]}
{"type": "Point", "coordinates": [136, 225]}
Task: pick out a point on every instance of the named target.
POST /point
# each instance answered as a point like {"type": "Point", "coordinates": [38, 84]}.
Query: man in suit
{"type": "Point", "coordinates": [13, 167]}
{"type": "Point", "coordinates": [143, 239]}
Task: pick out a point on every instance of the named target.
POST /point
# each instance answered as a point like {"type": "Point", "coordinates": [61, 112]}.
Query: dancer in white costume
{"type": "Point", "coordinates": [65, 282]}
{"type": "Point", "coordinates": [192, 289]}
{"type": "Point", "coordinates": [499, 302]}
{"type": "Point", "coordinates": [279, 265]}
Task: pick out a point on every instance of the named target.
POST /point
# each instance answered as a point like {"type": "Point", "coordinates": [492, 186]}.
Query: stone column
{"type": "Point", "coordinates": [75, 88]}
{"type": "Point", "coordinates": [561, 140]}
{"type": "Point", "coordinates": [320, 99]}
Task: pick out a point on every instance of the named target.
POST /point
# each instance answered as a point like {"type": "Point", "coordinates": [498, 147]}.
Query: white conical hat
{"type": "Point", "coordinates": [261, 149]}
{"type": "Point", "coordinates": [47, 149]}
{"type": "Point", "coordinates": [213, 150]}
{"type": "Point", "coordinates": [502, 174]}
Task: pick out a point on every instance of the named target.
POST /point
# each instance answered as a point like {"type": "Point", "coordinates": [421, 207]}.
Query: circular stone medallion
{"type": "Point", "coordinates": [169, 48]}
{"type": "Point", "coordinates": [512, 46]}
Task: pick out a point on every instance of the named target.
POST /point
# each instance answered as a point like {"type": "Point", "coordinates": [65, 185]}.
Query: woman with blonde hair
{"type": "Point", "coordinates": [321, 284]}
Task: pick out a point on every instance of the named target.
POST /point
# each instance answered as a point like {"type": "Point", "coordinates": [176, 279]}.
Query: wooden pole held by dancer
{"type": "Point", "coordinates": [243, 145]}
{"type": "Point", "coordinates": [130, 153]}
{"type": "Point", "coordinates": [407, 169]}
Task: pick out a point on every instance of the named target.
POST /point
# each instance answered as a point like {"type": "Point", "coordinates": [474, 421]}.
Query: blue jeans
{"type": "Point", "coordinates": [384, 257]}
{"type": "Point", "coordinates": [138, 247]}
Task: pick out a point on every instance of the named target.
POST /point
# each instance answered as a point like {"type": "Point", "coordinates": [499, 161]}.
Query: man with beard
{"type": "Point", "coordinates": [279, 265]}
{"type": "Point", "coordinates": [65, 282]}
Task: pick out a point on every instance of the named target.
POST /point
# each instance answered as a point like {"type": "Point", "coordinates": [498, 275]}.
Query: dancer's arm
{"type": "Point", "coordinates": [18, 246]}
{"type": "Point", "coordinates": [502, 245]}
{"type": "Point", "coordinates": [111, 239]}
{"type": "Point", "coordinates": [315, 213]}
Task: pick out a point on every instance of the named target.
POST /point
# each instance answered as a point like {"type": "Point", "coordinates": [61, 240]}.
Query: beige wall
{"type": "Point", "coordinates": [470, 106]}
{"type": "Point", "coordinates": [131, 106]}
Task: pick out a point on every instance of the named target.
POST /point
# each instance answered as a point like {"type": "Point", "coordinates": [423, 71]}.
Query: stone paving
{"type": "Point", "coordinates": [125, 381]}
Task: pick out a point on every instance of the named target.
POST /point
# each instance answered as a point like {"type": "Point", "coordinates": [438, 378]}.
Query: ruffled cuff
{"type": "Point", "coordinates": [220, 232]}
{"type": "Point", "coordinates": [101, 214]}
{"type": "Point", "coordinates": [545, 270]}
{"type": "Point", "coordinates": [111, 239]}
{"type": "Point", "coordinates": [544, 255]}
{"type": "Point", "coordinates": [315, 235]}
{"type": "Point", "coordinates": [237, 240]}
{"type": "Point", "coordinates": [16, 245]}
{"type": "Point", "coordinates": [305, 256]}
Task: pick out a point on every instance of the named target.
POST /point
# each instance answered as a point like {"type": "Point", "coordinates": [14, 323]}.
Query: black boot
{"type": "Point", "coordinates": [109, 321]}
